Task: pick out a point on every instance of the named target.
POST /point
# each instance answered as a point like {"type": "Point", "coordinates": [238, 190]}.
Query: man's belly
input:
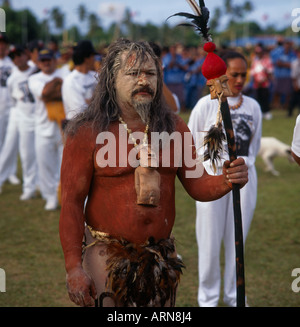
{"type": "Point", "coordinates": [112, 208]}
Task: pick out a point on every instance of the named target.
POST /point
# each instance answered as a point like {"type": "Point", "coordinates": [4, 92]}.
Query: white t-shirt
{"type": "Point", "coordinates": [6, 69]}
{"type": "Point", "coordinates": [24, 102]}
{"type": "Point", "coordinates": [77, 90]}
{"type": "Point", "coordinates": [37, 82]}
{"type": "Point", "coordinates": [296, 138]}
{"type": "Point", "coordinates": [295, 71]}
{"type": "Point", "coordinates": [247, 126]}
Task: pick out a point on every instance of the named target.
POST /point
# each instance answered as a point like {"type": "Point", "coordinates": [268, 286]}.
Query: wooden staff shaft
{"type": "Point", "coordinates": [239, 242]}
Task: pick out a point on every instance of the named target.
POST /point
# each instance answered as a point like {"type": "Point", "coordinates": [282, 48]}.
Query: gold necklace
{"type": "Point", "coordinates": [237, 106]}
{"type": "Point", "coordinates": [129, 131]}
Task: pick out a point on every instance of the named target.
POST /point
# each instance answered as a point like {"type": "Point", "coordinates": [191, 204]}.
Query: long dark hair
{"type": "Point", "coordinates": [104, 108]}
{"type": "Point", "coordinates": [230, 54]}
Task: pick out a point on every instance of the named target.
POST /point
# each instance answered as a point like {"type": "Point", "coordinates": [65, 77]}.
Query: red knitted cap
{"type": "Point", "coordinates": [213, 66]}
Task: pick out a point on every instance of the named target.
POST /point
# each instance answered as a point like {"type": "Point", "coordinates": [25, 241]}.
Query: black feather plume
{"type": "Point", "coordinates": [200, 20]}
{"type": "Point", "coordinates": [213, 141]}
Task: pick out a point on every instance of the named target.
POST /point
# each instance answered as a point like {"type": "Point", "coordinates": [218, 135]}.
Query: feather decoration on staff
{"type": "Point", "coordinates": [199, 20]}
{"type": "Point", "coordinates": [214, 70]}
{"type": "Point", "coordinates": [213, 140]}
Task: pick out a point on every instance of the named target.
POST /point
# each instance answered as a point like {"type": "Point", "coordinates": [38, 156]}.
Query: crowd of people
{"type": "Point", "coordinates": [273, 79]}
{"type": "Point", "coordinates": [40, 90]}
{"type": "Point", "coordinates": [273, 76]}
{"type": "Point", "coordinates": [47, 92]}
{"type": "Point", "coordinates": [42, 87]}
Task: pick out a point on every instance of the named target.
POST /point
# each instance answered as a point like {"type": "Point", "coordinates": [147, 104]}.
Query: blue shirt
{"type": "Point", "coordinates": [174, 75]}
{"type": "Point", "coordinates": [280, 55]}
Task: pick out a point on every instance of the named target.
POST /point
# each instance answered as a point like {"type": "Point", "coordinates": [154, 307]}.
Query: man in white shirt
{"type": "Point", "coordinates": [46, 88]}
{"type": "Point", "coordinates": [295, 74]}
{"type": "Point", "coordinates": [6, 68]}
{"type": "Point", "coordinates": [34, 48]}
{"type": "Point", "coordinates": [79, 85]}
{"type": "Point", "coordinates": [20, 130]}
{"type": "Point", "coordinates": [296, 142]}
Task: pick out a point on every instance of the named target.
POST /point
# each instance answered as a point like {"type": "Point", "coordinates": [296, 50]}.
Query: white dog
{"type": "Point", "coordinates": [270, 147]}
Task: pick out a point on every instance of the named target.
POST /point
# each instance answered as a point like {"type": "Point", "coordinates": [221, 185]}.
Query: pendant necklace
{"type": "Point", "coordinates": [146, 177]}
{"type": "Point", "coordinates": [129, 131]}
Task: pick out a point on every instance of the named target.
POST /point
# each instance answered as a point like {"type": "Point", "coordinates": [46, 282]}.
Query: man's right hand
{"type": "Point", "coordinates": [81, 288]}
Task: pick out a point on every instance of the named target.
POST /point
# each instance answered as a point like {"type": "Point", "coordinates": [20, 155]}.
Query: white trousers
{"type": "Point", "coordinates": [9, 151]}
{"type": "Point", "coordinates": [19, 139]}
{"type": "Point", "coordinates": [49, 155]}
{"type": "Point", "coordinates": [214, 224]}
{"type": "Point", "coordinates": [28, 160]}
{"type": "Point", "coordinates": [3, 127]}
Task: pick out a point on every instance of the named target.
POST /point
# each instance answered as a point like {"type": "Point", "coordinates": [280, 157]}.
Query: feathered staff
{"type": "Point", "coordinates": [214, 70]}
{"type": "Point", "coordinates": [199, 20]}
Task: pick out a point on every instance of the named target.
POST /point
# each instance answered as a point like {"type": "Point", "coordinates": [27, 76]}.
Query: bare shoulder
{"type": "Point", "coordinates": [83, 137]}
{"type": "Point", "coordinates": [181, 125]}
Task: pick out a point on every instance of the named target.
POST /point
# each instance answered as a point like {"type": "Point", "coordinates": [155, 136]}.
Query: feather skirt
{"type": "Point", "coordinates": [143, 275]}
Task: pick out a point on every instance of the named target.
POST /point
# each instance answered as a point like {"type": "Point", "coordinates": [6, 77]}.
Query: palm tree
{"type": "Point", "coordinates": [214, 22]}
{"type": "Point", "coordinates": [82, 14]}
{"type": "Point", "coordinates": [6, 3]}
{"type": "Point", "coordinates": [93, 20]}
{"type": "Point", "coordinates": [58, 18]}
{"type": "Point", "coordinates": [237, 11]}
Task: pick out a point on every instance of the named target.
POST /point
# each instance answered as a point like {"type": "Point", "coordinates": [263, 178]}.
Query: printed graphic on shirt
{"type": "Point", "coordinates": [27, 95]}
{"type": "Point", "coordinates": [242, 129]}
{"type": "Point", "coordinates": [4, 74]}
{"type": "Point", "coordinates": [89, 89]}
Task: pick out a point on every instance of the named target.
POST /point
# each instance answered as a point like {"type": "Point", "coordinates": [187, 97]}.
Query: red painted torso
{"type": "Point", "coordinates": [112, 202]}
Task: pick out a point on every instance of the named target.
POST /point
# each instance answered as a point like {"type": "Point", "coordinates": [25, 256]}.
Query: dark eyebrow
{"type": "Point", "coordinates": [136, 70]}
{"type": "Point", "coordinates": [237, 74]}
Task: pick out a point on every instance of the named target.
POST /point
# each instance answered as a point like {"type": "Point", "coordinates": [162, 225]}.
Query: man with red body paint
{"type": "Point", "coordinates": [118, 232]}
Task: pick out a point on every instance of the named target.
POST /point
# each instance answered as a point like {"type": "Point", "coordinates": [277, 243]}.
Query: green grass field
{"type": "Point", "coordinates": [31, 255]}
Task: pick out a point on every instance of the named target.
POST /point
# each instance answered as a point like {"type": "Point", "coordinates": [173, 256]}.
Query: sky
{"type": "Point", "coordinates": [278, 12]}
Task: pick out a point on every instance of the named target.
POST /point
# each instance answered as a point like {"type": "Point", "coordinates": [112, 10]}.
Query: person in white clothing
{"type": "Point", "coordinates": [6, 68]}
{"type": "Point", "coordinates": [79, 85]}
{"type": "Point", "coordinates": [20, 132]}
{"type": "Point", "coordinates": [215, 220]}
{"type": "Point", "coordinates": [33, 48]}
{"type": "Point", "coordinates": [295, 74]}
{"type": "Point", "coordinates": [46, 88]}
{"type": "Point", "coordinates": [296, 141]}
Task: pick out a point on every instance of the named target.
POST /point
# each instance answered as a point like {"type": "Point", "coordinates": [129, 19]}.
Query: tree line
{"type": "Point", "coordinates": [23, 26]}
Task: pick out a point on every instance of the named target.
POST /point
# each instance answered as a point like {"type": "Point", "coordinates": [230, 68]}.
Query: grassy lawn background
{"type": "Point", "coordinates": [30, 251]}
